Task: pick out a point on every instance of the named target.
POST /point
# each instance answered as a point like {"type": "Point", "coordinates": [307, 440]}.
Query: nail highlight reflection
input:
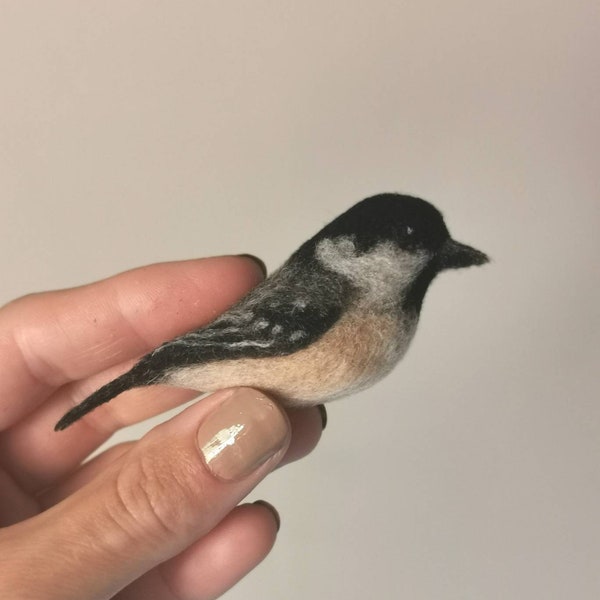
{"type": "Point", "coordinates": [241, 434]}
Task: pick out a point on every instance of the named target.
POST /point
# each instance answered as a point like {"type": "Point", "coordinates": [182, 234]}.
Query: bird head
{"type": "Point", "coordinates": [391, 241]}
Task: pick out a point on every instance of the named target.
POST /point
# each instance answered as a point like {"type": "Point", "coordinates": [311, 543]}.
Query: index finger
{"type": "Point", "coordinates": [52, 338]}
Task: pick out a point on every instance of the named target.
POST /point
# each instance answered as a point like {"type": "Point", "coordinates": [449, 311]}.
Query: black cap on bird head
{"type": "Point", "coordinates": [410, 222]}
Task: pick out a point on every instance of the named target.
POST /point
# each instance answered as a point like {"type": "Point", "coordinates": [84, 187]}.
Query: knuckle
{"type": "Point", "coordinates": [21, 301]}
{"type": "Point", "coordinates": [154, 502]}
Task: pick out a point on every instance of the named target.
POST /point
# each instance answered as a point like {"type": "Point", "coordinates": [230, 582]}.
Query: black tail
{"type": "Point", "coordinates": [104, 394]}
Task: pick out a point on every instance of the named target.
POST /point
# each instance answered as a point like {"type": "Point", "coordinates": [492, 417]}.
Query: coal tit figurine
{"type": "Point", "coordinates": [334, 319]}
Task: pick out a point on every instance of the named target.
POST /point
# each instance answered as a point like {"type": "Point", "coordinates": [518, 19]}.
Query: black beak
{"type": "Point", "coordinates": [454, 255]}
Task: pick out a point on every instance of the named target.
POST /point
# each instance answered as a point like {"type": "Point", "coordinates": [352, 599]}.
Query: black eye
{"type": "Point", "coordinates": [409, 230]}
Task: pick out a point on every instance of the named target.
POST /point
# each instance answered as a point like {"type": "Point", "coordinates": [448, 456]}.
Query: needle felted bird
{"type": "Point", "coordinates": [335, 318]}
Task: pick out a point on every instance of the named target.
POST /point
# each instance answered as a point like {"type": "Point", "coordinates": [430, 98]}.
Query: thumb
{"type": "Point", "coordinates": [169, 490]}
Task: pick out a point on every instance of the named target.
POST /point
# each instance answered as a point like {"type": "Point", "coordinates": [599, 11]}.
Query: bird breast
{"type": "Point", "coordinates": [357, 351]}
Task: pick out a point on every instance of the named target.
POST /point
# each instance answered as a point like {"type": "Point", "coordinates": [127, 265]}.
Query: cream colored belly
{"type": "Point", "coordinates": [358, 351]}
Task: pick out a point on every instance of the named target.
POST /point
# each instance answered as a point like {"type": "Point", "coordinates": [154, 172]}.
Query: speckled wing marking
{"type": "Point", "coordinates": [266, 330]}
{"type": "Point", "coordinates": [356, 352]}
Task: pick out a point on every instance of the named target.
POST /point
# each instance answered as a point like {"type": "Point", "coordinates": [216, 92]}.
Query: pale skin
{"type": "Point", "coordinates": [145, 519]}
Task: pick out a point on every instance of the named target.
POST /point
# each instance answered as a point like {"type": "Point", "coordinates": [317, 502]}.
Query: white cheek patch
{"type": "Point", "coordinates": [383, 273]}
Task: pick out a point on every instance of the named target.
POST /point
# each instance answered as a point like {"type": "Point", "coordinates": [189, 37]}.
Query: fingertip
{"type": "Point", "coordinates": [225, 555]}
{"type": "Point", "coordinates": [323, 412]}
{"type": "Point", "coordinates": [246, 433]}
{"type": "Point", "coordinates": [272, 510]}
{"type": "Point", "coordinates": [307, 427]}
{"type": "Point", "coordinates": [257, 262]}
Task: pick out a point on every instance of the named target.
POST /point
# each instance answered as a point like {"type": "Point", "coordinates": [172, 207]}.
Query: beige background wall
{"type": "Point", "coordinates": [133, 132]}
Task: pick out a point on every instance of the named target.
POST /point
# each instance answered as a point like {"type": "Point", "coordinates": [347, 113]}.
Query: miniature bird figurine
{"type": "Point", "coordinates": [335, 318]}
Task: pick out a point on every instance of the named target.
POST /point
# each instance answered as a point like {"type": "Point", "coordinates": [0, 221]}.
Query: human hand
{"type": "Point", "coordinates": [152, 519]}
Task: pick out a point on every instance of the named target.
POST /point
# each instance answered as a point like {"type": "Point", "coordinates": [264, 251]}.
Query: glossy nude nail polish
{"type": "Point", "coordinates": [241, 434]}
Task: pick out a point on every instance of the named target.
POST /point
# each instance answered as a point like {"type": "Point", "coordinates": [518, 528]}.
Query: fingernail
{"type": "Point", "coordinates": [241, 434]}
{"type": "Point", "coordinates": [323, 413]}
{"type": "Point", "coordinates": [273, 511]}
{"type": "Point", "coordinates": [258, 261]}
